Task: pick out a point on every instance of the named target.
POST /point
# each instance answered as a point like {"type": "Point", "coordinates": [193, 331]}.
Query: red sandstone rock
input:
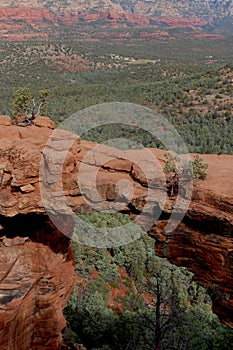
{"type": "Point", "coordinates": [42, 18]}
{"type": "Point", "coordinates": [37, 277]}
{"type": "Point", "coordinates": [5, 120]}
{"type": "Point", "coordinates": [26, 14]}
{"type": "Point", "coordinates": [114, 16]}
{"type": "Point", "coordinates": [36, 264]}
{"type": "Point", "coordinates": [182, 22]}
{"type": "Point", "coordinates": [68, 17]}
{"type": "Point", "coordinates": [44, 122]}
{"type": "Point", "coordinates": [27, 188]}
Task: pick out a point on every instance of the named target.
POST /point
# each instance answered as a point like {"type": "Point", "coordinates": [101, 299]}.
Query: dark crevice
{"type": "Point", "coordinates": [37, 228]}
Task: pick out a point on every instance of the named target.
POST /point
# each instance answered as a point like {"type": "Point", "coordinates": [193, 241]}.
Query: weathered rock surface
{"type": "Point", "coordinates": [36, 264]}
{"type": "Point", "coordinates": [203, 242]}
{"type": "Point", "coordinates": [35, 16]}
{"type": "Point", "coordinates": [178, 14]}
{"type": "Point", "coordinates": [5, 120]}
{"type": "Point", "coordinates": [36, 260]}
{"type": "Point", "coordinates": [43, 122]}
{"type": "Point", "coordinates": [26, 14]}
{"type": "Point", "coordinates": [36, 274]}
{"type": "Point", "coordinates": [207, 9]}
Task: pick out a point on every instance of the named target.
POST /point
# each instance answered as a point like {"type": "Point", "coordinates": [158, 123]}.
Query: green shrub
{"type": "Point", "coordinates": [199, 168]}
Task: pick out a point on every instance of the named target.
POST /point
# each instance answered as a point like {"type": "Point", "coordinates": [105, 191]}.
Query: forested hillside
{"type": "Point", "coordinates": [127, 298]}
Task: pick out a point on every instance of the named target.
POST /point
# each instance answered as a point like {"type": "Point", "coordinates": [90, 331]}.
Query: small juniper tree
{"type": "Point", "coordinates": [199, 168]}
{"type": "Point", "coordinates": [28, 106]}
{"type": "Point", "coordinates": [197, 165]}
{"type": "Point", "coordinates": [23, 99]}
{"type": "Point", "coordinates": [44, 96]}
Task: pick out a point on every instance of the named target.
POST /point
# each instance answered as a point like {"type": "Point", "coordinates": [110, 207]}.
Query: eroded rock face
{"type": "Point", "coordinates": [36, 260]}
{"type": "Point", "coordinates": [36, 264]}
{"type": "Point", "coordinates": [203, 243]}
{"type": "Point", "coordinates": [208, 9]}
{"type": "Point", "coordinates": [37, 277]}
{"type": "Point", "coordinates": [26, 14]}
{"type": "Point", "coordinates": [43, 122]}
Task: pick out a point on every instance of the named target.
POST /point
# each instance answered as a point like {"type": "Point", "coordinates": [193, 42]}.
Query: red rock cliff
{"type": "Point", "coordinates": [36, 262]}
{"type": "Point", "coordinates": [203, 241]}
{"type": "Point", "coordinates": [25, 14]}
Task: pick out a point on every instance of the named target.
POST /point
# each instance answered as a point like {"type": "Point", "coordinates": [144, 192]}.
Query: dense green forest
{"type": "Point", "coordinates": [189, 81]}
{"type": "Point", "coordinates": [199, 105]}
{"type": "Point", "coordinates": [127, 298]}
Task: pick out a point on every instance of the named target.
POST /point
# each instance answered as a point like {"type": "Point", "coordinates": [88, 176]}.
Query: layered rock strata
{"type": "Point", "coordinates": [36, 261]}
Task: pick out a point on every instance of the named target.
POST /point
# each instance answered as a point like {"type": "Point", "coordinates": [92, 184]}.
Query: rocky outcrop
{"type": "Point", "coordinates": [43, 122]}
{"type": "Point", "coordinates": [25, 23]}
{"type": "Point", "coordinates": [138, 12]}
{"type": "Point", "coordinates": [26, 14]}
{"type": "Point", "coordinates": [72, 18]}
{"type": "Point", "coordinates": [203, 242]}
{"type": "Point", "coordinates": [208, 9]}
{"type": "Point", "coordinates": [36, 263]}
{"type": "Point", "coordinates": [41, 16]}
{"type": "Point", "coordinates": [36, 280]}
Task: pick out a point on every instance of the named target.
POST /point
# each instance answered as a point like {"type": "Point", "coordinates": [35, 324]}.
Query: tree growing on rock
{"type": "Point", "coordinates": [197, 166]}
{"type": "Point", "coordinates": [27, 107]}
{"type": "Point", "coordinates": [44, 97]}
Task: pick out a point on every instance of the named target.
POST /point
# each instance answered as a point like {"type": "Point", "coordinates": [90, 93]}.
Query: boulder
{"type": "Point", "coordinates": [44, 122]}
